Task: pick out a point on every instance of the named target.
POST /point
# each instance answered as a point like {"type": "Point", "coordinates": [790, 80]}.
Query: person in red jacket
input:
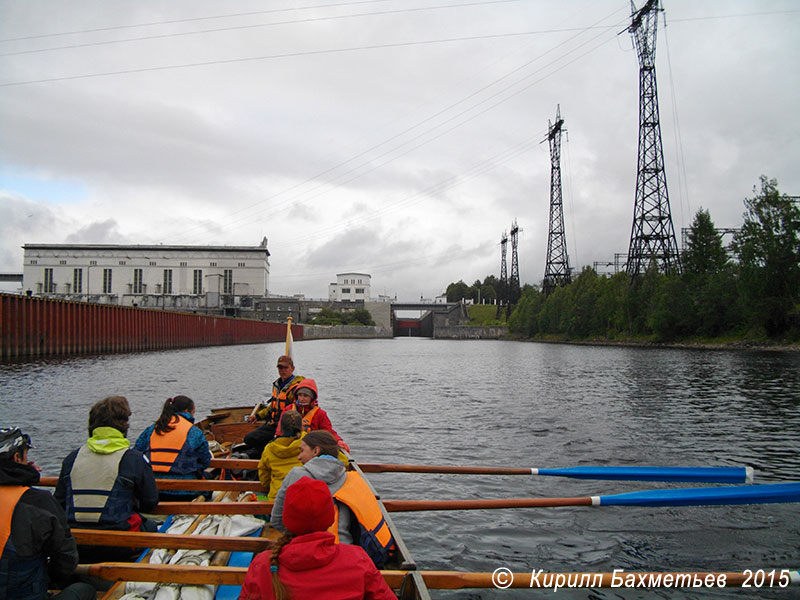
{"type": "Point", "coordinates": [306, 563]}
{"type": "Point", "coordinates": [314, 418]}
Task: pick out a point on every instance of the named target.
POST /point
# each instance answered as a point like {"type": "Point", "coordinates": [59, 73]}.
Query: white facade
{"type": "Point", "coordinates": [350, 287]}
{"type": "Point", "coordinates": [155, 276]}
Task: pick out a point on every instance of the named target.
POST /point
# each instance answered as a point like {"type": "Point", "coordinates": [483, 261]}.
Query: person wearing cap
{"type": "Point", "coordinates": [105, 484]}
{"type": "Point", "coordinates": [176, 448]}
{"type": "Point", "coordinates": [314, 418]}
{"type": "Point", "coordinates": [282, 396]}
{"type": "Point", "coordinates": [306, 563]}
{"type": "Point", "coordinates": [37, 550]}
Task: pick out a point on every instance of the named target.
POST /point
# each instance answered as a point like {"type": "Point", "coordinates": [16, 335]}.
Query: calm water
{"type": "Point", "coordinates": [498, 404]}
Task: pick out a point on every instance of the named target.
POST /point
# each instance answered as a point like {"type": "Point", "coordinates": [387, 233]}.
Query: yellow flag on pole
{"type": "Point", "coordinates": [289, 339]}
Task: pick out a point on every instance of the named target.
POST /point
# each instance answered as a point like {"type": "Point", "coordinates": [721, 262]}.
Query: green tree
{"type": "Point", "coordinates": [456, 291]}
{"type": "Point", "coordinates": [768, 247]}
{"type": "Point", "coordinates": [704, 251]}
{"type": "Point", "coordinates": [524, 321]}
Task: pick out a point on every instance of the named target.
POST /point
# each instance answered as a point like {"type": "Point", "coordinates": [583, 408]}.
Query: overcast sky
{"type": "Point", "coordinates": [393, 137]}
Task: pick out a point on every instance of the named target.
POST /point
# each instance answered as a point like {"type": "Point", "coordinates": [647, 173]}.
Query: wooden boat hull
{"type": "Point", "coordinates": [227, 426]}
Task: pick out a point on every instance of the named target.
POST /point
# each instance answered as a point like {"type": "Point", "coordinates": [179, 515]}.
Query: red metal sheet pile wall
{"type": "Point", "coordinates": [32, 327]}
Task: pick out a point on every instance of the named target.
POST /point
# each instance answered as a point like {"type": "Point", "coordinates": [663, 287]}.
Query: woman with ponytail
{"type": "Point", "coordinates": [306, 563]}
{"type": "Point", "coordinates": [175, 448]}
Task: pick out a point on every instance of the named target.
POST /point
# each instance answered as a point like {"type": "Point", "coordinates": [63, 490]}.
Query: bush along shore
{"type": "Point", "coordinates": [743, 295]}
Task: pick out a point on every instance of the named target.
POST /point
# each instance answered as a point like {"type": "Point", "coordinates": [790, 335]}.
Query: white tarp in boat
{"type": "Point", "coordinates": [221, 525]}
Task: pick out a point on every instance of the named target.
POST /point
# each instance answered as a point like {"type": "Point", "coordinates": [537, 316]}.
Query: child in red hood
{"type": "Point", "coordinates": [314, 418]}
{"type": "Point", "coordinates": [306, 563]}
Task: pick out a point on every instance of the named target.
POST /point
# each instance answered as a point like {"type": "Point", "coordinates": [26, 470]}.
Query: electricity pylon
{"type": "Point", "coordinates": [556, 270]}
{"type": "Point", "coordinates": [652, 235]}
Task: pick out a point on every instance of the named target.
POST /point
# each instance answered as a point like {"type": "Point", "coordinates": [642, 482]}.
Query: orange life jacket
{"type": "Point", "coordinates": [165, 447]}
{"type": "Point", "coordinates": [306, 419]}
{"type": "Point", "coordinates": [374, 535]}
{"type": "Point", "coordinates": [9, 496]}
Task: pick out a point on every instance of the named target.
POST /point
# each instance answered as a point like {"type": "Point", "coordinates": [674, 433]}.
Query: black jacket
{"type": "Point", "coordinates": [38, 530]}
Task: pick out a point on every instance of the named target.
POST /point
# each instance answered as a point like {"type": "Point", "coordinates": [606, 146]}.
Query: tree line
{"type": "Point", "coordinates": [750, 290]}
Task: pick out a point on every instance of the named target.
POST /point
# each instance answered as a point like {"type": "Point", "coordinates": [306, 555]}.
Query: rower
{"type": "Point", "coordinates": [176, 448]}
{"type": "Point", "coordinates": [282, 396]}
{"type": "Point", "coordinates": [307, 560]}
{"type": "Point", "coordinates": [359, 519]}
{"type": "Point", "coordinates": [105, 483]}
{"type": "Point", "coordinates": [35, 540]}
{"type": "Point", "coordinates": [314, 418]}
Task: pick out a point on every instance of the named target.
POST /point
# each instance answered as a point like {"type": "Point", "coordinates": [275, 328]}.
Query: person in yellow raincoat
{"type": "Point", "coordinates": [280, 455]}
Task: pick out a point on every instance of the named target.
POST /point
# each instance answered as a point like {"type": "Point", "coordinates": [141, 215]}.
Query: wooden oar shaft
{"type": "Point", "coordinates": [182, 574]}
{"type": "Point", "coordinates": [191, 485]}
{"type": "Point", "coordinates": [233, 463]}
{"type": "Point", "coordinates": [439, 580]}
{"type": "Point", "coordinates": [213, 508]}
{"type": "Point", "coordinates": [388, 468]}
{"type": "Point", "coordinates": [418, 505]}
{"type": "Point", "coordinates": [138, 539]}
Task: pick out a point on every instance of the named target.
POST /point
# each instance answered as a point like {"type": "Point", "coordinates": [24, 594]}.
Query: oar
{"type": "Point", "coordinates": [212, 508]}
{"type": "Point", "coordinates": [446, 579]}
{"type": "Point", "coordinates": [746, 494]}
{"type": "Point", "coordinates": [740, 494]}
{"type": "Point", "coordinates": [682, 474]}
{"type": "Point", "coordinates": [139, 539]}
{"type": "Point", "coordinates": [192, 485]}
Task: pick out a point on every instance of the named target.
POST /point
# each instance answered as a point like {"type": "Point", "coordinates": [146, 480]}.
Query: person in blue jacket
{"type": "Point", "coordinates": [176, 448]}
{"type": "Point", "coordinates": [105, 484]}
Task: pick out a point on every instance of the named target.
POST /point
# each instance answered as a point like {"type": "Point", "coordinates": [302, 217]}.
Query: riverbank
{"type": "Point", "coordinates": [685, 345]}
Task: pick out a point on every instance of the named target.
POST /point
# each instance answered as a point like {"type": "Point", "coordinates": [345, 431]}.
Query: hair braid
{"type": "Point", "coordinates": [279, 589]}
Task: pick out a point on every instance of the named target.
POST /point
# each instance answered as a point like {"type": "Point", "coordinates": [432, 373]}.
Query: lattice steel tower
{"type": "Point", "coordinates": [556, 270]}
{"type": "Point", "coordinates": [503, 270]}
{"type": "Point", "coordinates": [502, 293]}
{"type": "Point", "coordinates": [513, 283]}
{"type": "Point", "coordinates": [652, 234]}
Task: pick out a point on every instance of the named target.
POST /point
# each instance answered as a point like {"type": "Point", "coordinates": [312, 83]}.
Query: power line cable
{"type": "Point", "coordinates": [249, 26]}
{"type": "Point", "coordinates": [189, 20]}
{"type": "Point", "coordinates": [363, 153]}
{"type": "Point", "coordinates": [463, 112]}
{"type": "Point", "coordinates": [282, 55]}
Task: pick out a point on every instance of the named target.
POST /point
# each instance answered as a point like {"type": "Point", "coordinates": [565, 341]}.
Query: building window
{"type": "Point", "coordinates": [167, 281]}
{"type": "Point", "coordinates": [213, 264]}
{"type": "Point", "coordinates": [183, 264]}
{"type": "Point", "coordinates": [137, 281]}
{"type": "Point", "coordinates": [77, 281]}
{"type": "Point", "coordinates": [345, 290]}
{"type": "Point", "coordinates": [34, 262]}
{"type": "Point", "coordinates": [152, 263]}
{"type": "Point", "coordinates": [197, 288]}
{"type": "Point", "coordinates": [359, 290]}
{"type": "Point", "coordinates": [93, 262]}
{"type": "Point", "coordinates": [227, 281]}
{"type": "Point", "coordinates": [49, 285]}
{"type": "Point", "coordinates": [106, 281]}
{"type": "Point", "coordinates": [122, 262]}
{"type": "Point", "coordinates": [241, 264]}
{"type": "Point", "coordinates": [62, 262]}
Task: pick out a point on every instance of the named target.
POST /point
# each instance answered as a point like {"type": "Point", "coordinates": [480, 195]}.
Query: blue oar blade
{"type": "Point", "coordinates": [746, 494]}
{"type": "Point", "coordinates": [682, 474]}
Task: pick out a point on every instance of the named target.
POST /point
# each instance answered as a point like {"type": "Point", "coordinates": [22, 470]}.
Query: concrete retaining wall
{"type": "Point", "coordinates": [319, 332]}
{"type": "Point", "coordinates": [466, 332]}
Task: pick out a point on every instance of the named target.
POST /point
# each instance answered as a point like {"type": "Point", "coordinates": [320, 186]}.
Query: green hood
{"type": "Point", "coordinates": [107, 440]}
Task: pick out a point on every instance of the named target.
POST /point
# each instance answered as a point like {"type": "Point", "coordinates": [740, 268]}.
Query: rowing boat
{"type": "Point", "coordinates": [224, 428]}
